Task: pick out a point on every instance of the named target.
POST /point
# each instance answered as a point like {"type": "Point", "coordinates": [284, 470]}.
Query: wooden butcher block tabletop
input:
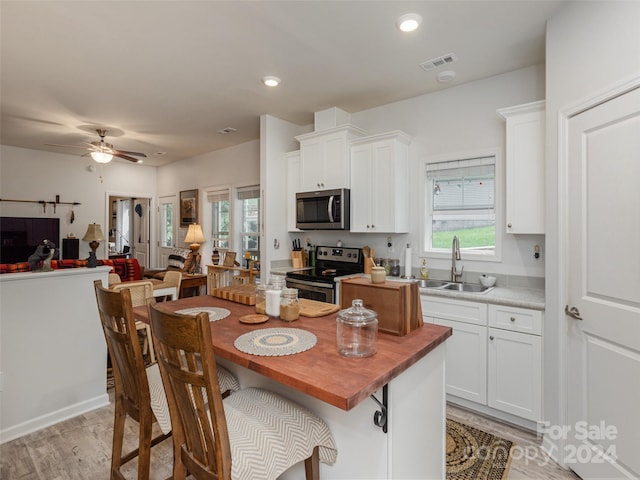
{"type": "Point", "coordinates": [244, 294]}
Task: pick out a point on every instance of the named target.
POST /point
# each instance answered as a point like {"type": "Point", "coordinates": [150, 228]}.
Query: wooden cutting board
{"type": "Point", "coordinates": [314, 308]}
{"type": "Point", "coordinates": [245, 294]}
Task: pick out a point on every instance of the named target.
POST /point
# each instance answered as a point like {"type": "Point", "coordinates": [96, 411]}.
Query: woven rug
{"type": "Point", "coordinates": [476, 455]}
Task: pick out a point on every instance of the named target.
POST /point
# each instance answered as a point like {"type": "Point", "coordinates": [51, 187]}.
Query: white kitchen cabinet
{"type": "Point", "coordinates": [494, 357]}
{"type": "Point", "coordinates": [293, 186]}
{"type": "Point", "coordinates": [525, 167]}
{"type": "Point", "coordinates": [324, 158]}
{"type": "Point", "coordinates": [380, 183]}
{"type": "Point", "coordinates": [466, 358]}
{"type": "Point", "coordinates": [514, 369]}
{"type": "Point", "coordinates": [514, 373]}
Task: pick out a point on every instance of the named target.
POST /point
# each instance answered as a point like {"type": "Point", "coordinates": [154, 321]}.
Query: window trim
{"type": "Point", "coordinates": [425, 202]}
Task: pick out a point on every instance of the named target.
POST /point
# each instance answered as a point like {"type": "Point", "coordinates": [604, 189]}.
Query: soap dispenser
{"type": "Point", "coordinates": [424, 271]}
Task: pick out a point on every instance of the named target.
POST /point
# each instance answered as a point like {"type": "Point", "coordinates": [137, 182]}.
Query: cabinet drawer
{"type": "Point", "coordinates": [456, 310]}
{"type": "Point", "coordinates": [516, 319]}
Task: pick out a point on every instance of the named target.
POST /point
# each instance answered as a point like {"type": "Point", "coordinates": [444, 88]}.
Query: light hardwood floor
{"type": "Point", "coordinates": [80, 449]}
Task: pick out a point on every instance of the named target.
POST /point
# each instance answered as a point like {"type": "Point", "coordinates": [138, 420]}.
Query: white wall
{"type": "Point", "coordinates": [36, 175]}
{"type": "Point", "coordinates": [591, 48]}
{"type": "Point", "coordinates": [459, 119]}
{"type": "Point", "coordinates": [277, 139]}
{"type": "Point", "coordinates": [236, 166]}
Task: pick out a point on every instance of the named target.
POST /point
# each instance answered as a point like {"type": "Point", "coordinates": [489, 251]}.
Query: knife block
{"type": "Point", "coordinates": [396, 303]}
{"type": "Point", "coordinates": [298, 259]}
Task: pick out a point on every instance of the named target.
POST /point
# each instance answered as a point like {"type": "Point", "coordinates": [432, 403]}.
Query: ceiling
{"type": "Point", "coordinates": [167, 76]}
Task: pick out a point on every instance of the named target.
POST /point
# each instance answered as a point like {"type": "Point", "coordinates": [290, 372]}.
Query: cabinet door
{"type": "Point", "coordinates": [336, 161]}
{"type": "Point", "coordinates": [515, 373]}
{"type": "Point", "coordinates": [311, 164]}
{"type": "Point", "coordinates": [361, 188]}
{"type": "Point", "coordinates": [383, 188]}
{"type": "Point", "coordinates": [466, 361]}
{"type": "Point", "coordinates": [525, 168]}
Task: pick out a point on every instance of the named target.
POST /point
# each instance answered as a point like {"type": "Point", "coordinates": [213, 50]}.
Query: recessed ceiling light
{"type": "Point", "coordinates": [227, 130]}
{"type": "Point", "coordinates": [160, 153]}
{"type": "Point", "coordinates": [271, 81]}
{"type": "Point", "coordinates": [446, 76]}
{"type": "Point", "coordinates": [409, 22]}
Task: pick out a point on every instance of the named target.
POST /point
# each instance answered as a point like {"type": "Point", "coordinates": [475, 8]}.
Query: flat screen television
{"type": "Point", "coordinates": [20, 236]}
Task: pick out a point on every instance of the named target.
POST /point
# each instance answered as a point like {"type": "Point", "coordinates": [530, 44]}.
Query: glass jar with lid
{"type": "Point", "coordinates": [356, 331]}
{"type": "Point", "coordinates": [272, 300]}
{"type": "Point", "coordinates": [394, 267]}
{"type": "Point", "coordinates": [261, 298]}
{"type": "Point", "coordinates": [289, 305]}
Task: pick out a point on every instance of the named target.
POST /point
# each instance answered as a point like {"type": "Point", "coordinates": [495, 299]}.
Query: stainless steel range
{"type": "Point", "coordinates": [319, 282]}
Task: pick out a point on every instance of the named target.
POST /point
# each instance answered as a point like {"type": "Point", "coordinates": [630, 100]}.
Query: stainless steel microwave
{"type": "Point", "coordinates": [323, 210]}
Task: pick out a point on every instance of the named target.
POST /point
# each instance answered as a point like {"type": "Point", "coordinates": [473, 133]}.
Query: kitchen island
{"type": "Point", "coordinates": [406, 374]}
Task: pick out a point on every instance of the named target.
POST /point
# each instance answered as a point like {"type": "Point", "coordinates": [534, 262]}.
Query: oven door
{"type": "Point", "coordinates": [322, 292]}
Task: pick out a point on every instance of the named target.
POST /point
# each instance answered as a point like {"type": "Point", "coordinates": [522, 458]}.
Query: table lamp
{"type": "Point", "coordinates": [194, 237]}
{"type": "Point", "coordinates": [94, 236]}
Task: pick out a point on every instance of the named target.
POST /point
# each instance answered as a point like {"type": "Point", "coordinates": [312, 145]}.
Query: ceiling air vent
{"type": "Point", "coordinates": [438, 62]}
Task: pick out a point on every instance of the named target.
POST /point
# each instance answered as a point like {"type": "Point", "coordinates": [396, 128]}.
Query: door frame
{"type": "Point", "coordinates": [175, 223]}
{"type": "Point", "coordinates": [152, 218]}
{"type": "Point", "coordinates": [554, 446]}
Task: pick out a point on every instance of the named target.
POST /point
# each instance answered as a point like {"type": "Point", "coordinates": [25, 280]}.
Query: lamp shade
{"type": "Point", "coordinates": [94, 233]}
{"type": "Point", "coordinates": [194, 234]}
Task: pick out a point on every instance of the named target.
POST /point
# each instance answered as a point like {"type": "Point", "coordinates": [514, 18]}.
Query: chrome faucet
{"type": "Point", "coordinates": [455, 256]}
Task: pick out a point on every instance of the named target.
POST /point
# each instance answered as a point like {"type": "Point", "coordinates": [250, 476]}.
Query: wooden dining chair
{"type": "Point", "coordinates": [140, 292]}
{"type": "Point", "coordinates": [135, 384]}
{"type": "Point", "coordinates": [173, 277]}
{"type": "Point", "coordinates": [253, 433]}
{"type": "Point", "coordinates": [114, 279]}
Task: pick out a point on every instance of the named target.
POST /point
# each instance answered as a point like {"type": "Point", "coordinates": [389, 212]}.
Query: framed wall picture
{"type": "Point", "coordinates": [188, 207]}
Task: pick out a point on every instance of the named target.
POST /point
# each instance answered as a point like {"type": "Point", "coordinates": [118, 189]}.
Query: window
{"type": "Point", "coordinates": [166, 229]}
{"type": "Point", "coordinates": [461, 202]}
{"type": "Point", "coordinates": [249, 199]}
{"type": "Point", "coordinates": [220, 218]}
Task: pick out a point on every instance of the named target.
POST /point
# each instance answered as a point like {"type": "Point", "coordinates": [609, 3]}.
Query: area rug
{"type": "Point", "coordinates": [476, 455]}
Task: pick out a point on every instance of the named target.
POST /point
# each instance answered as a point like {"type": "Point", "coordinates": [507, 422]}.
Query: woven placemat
{"type": "Point", "coordinates": [273, 342]}
{"type": "Point", "coordinates": [215, 313]}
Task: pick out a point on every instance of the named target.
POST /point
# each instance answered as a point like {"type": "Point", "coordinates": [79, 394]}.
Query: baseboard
{"type": "Point", "coordinates": [493, 413]}
{"type": "Point", "coordinates": [52, 418]}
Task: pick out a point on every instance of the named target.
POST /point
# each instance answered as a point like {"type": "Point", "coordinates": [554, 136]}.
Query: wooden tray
{"type": "Point", "coordinates": [313, 308]}
{"type": "Point", "coordinates": [245, 294]}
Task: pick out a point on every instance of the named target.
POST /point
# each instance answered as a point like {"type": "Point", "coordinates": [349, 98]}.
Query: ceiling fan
{"type": "Point", "coordinates": [103, 152]}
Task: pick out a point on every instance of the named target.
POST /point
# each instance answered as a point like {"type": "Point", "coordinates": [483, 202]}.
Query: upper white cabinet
{"type": "Point", "coordinates": [293, 184]}
{"type": "Point", "coordinates": [380, 183]}
{"type": "Point", "coordinates": [324, 158]}
{"type": "Point", "coordinates": [525, 167]}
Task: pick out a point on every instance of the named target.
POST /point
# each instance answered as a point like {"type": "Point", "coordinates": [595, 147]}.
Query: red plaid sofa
{"type": "Point", "coordinates": [127, 268]}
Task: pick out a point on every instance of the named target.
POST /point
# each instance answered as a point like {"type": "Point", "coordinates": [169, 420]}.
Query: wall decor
{"type": "Point", "coordinates": [188, 207]}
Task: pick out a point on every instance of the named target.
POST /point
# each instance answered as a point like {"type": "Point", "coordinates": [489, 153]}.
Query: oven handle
{"type": "Point", "coordinates": [306, 283]}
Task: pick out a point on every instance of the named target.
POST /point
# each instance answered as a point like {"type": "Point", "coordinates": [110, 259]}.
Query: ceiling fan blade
{"type": "Point", "coordinates": [67, 146]}
{"type": "Point", "coordinates": [126, 157]}
{"type": "Point", "coordinates": [124, 152]}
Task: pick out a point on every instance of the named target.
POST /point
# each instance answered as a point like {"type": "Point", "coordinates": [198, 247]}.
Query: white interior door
{"type": "Point", "coordinates": [140, 229]}
{"type": "Point", "coordinates": [167, 214]}
{"type": "Point", "coordinates": [603, 347]}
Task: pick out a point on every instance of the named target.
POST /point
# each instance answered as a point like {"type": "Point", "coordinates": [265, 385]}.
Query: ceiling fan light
{"type": "Point", "coordinates": [101, 157]}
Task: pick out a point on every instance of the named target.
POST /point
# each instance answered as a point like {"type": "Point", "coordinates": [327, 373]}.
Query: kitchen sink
{"type": "Point", "coordinates": [466, 287]}
{"type": "Point", "coordinates": [431, 283]}
{"type": "Point", "coordinates": [453, 286]}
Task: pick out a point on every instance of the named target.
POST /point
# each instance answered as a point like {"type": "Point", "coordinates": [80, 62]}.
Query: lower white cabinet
{"type": "Point", "coordinates": [465, 378]}
{"type": "Point", "coordinates": [494, 357]}
{"type": "Point", "coordinates": [514, 373]}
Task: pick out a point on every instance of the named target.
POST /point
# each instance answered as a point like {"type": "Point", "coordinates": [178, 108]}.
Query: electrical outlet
{"type": "Point", "coordinates": [536, 252]}
{"type": "Point", "coordinates": [390, 245]}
